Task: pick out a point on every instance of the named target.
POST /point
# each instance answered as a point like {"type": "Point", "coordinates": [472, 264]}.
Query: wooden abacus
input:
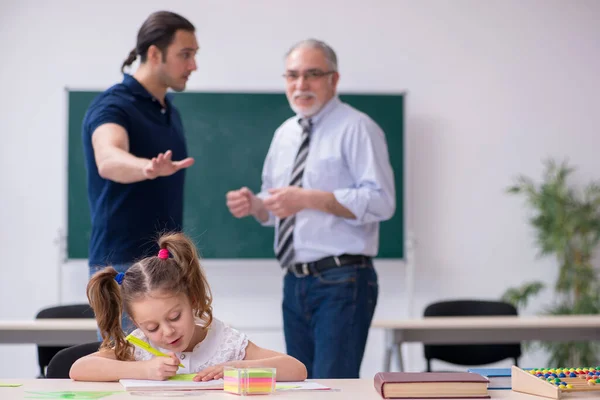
{"type": "Point", "coordinates": [547, 385]}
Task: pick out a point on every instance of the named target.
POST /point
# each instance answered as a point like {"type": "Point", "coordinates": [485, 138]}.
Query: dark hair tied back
{"type": "Point", "coordinates": [130, 59]}
{"type": "Point", "coordinates": [158, 30]}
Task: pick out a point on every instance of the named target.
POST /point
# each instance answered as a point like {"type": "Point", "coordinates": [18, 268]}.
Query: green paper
{"type": "Point", "coordinates": [260, 374]}
{"type": "Point", "coordinates": [69, 395]}
{"type": "Point", "coordinates": [182, 377]}
{"type": "Point", "coordinates": [285, 387]}
{"type": "Point", "coordinates": [10, 384]}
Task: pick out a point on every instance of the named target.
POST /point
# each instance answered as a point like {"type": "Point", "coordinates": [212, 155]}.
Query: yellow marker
{"type": "Point", "coordinates": [146, 346]}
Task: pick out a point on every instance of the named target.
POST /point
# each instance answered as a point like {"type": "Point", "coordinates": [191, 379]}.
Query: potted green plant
{"type": "Point", "coordinates": [567, 226]}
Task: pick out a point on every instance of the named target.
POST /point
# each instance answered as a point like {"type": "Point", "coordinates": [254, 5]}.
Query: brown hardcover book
{"type": "Point", "coordinates": [425, 385]}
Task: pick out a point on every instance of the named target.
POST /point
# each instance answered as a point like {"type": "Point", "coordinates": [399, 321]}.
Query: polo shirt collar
{"type": "Point", "coordinates": [137, 89]}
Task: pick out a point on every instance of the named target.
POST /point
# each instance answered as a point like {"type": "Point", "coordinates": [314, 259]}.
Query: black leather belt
{"type": "Point", "coordinates": [316, 267]}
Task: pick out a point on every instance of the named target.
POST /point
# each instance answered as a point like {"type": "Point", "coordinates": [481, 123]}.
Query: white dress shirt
{"type": "Point", "coordinates": [348, 156]}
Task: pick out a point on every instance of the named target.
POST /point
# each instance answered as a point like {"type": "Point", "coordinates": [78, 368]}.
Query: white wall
{"type": "Point", "coordinates": [493, 88]}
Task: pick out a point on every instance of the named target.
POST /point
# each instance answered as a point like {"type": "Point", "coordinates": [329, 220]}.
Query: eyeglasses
{"type": "Point", "coordinates": [309, 75]}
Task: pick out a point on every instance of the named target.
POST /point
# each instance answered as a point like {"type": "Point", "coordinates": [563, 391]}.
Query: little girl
{"type": "Point", "coordinates": [168, 298]}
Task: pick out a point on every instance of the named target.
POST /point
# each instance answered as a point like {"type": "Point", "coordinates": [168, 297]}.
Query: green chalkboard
{"type": "Point", "coordinates": [229, 134]}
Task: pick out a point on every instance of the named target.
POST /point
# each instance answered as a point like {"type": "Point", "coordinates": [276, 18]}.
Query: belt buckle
{"type": "Point", "coordinates": [305, 271]}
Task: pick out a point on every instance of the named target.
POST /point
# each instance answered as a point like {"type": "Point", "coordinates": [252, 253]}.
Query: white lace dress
{"type": "Point", "coordinates": [221, 344]}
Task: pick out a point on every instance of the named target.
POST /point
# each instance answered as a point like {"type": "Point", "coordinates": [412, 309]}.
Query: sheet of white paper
{"type": "Point", "coordinates": [148, 385]}
{"type": "Point", "coordinates": [141, 384]}
{"type": "Point", "coordinates": [302, 385]}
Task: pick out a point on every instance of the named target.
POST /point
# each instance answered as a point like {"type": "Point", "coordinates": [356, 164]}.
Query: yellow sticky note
{"type": "Point", "coordinates": [285, 387]}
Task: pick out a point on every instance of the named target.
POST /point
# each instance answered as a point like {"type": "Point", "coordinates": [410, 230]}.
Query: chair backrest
{"type": "Point", "coordinates": [61, 363]}
{"type": "Point", "coordinates": [476, 354]}
{"type": "Point", "coordinates": [45, 353]}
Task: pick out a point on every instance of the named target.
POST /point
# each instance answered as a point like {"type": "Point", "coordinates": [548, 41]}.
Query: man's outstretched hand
{"type": "Point", "coordinates": [163, 165]}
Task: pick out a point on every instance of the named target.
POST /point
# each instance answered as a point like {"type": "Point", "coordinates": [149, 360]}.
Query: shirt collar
{"type": "Point", "coordinates": [326, 109]}
{"type": "Point", "coordinates": [137, 89]}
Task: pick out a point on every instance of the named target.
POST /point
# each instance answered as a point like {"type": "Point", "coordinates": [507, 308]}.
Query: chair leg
{"type": "Point", "coordinates": [428, 365]}
{"type": "Point", "coordinates": [400, 358]}
{"type": "Point", "coordinates": [516, 362]}
{"type": "Point", "coordinates": [387, 360]}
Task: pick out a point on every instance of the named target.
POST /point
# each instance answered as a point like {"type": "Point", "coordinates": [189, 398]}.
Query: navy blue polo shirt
{"type": "Point", "coordinates": [128, 218]}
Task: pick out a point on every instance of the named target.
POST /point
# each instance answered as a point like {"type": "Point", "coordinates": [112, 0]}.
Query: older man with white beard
{"type": "Point", "coordinates": [326, 184]}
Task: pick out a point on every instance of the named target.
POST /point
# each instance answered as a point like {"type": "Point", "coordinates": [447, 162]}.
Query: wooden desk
{"type": "Point", "coordinates": [344, 389]}
{"type": "Point", "coordinates": [362, 389]}
{"type": "Point", "coordinates": [485, 330]}
{"type": "Point", "coordinates": [50, 332]}
{"type": "Point", "coordinates": [431, 330]}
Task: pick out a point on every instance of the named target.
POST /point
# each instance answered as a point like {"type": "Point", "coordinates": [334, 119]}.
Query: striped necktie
{"type": "Point", "coordinates": [285, 237]}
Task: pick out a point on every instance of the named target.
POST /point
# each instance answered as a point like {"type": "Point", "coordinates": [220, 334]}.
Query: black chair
{"type": "Point", "coordinates": [61, 363]}
{"type": "Point", "coordinates": [475, 354]}
{"type": "Point", "coordinates": [45, 353]}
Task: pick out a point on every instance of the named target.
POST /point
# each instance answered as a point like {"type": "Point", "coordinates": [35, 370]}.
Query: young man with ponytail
{"type": "Point", "coordinates": [135, 147]}
{"type": "Point", "coordinates": [170, 302]}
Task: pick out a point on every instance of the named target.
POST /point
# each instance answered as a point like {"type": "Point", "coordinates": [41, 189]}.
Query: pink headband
{"type": "Point", "coordinates": [163, 254]}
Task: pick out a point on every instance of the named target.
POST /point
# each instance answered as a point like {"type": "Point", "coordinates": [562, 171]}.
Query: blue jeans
{"type": "Point", "coordinates": [126, 323]}
{"type": "Point", "coordinates": [326, 319]}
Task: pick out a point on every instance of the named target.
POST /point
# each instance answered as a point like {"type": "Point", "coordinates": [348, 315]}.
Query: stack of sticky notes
{"type": "Point", "coordinates": [244, 381]}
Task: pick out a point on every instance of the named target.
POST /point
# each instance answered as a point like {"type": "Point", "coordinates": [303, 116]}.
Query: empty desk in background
{"type": "Point", "coordinates": [484, 330]}
{"type": "Point", "coordinates": [66, 332]}
{"type": "Point", "coordinates": [49, 332]}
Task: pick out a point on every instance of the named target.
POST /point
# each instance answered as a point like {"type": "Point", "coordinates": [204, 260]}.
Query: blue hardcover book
{"type": "Point", "coordinates": [499, 378]}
